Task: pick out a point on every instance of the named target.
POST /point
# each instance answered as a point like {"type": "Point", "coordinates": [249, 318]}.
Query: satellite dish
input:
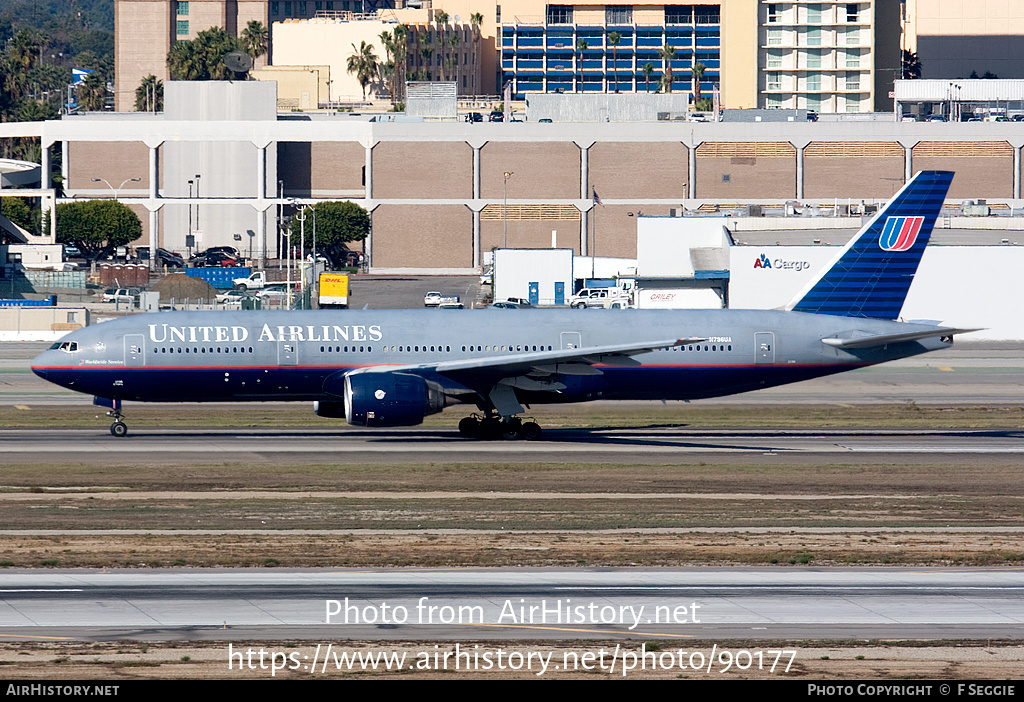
{"type": "Point", "coordinates": [238, 62]}
{"type": "Point", "coordinates": [457, 19]}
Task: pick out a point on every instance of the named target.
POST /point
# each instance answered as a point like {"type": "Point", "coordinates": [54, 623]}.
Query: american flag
{"type": "Point", "coordinates": [597, 200]}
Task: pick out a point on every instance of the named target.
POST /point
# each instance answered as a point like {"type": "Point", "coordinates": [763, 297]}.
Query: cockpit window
{"type": "Point", "coordinates": [69, 346]}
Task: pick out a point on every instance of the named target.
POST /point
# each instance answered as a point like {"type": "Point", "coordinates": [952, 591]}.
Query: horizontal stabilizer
{"type": "Point", "coordinates": [865, 340]}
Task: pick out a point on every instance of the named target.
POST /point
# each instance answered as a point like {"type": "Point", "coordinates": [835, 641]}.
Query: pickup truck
{"type": "Point", "coordinates": [259, 280]}
{"type": "Point", "coordinates": [597, 297]}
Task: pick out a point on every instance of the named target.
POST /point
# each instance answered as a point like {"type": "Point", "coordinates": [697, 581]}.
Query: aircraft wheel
{"type": "Point", "coordinates": [469, 427]}
{"type": "Point", "coordinates": [490, 429]}
{"type": "Point", "coordinates": [119, 429]}
{"type": "Point", "coordinates": [530, 431]}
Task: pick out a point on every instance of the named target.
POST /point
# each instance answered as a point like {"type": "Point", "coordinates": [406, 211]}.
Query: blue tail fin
{"type": "Point", "coordinates": [870, 277]}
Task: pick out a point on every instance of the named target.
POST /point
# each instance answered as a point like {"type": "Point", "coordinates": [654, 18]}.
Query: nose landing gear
{"type": "Point", "coordinates": [118, 428]}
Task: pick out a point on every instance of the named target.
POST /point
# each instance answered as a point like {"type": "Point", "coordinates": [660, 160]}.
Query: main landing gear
{"type": "Point", "coordinates": [493, 426]}
{"type": "Point", "coordinates": [118, 428]}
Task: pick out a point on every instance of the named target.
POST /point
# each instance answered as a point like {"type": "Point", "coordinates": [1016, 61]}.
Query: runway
{"type": "Point", "coordinates": [514, 604]}
{"type": "Point", "coordinates": [557, 445]}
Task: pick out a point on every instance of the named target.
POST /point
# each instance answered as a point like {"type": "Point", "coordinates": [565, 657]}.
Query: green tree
{"type": "Point", "coordinates": [149, 96]}
{"type": "Point", "coordinates": [362, 64]}
{"type": "Point", "coordinates": [255, 38]}
{"type": "Point", "coordinates": [203, 57]}
{"type": "Point", "coordinates": [667, 54]}
{"type": "Point", "coordinates": [92, 93]}
{"type": "Point", "coordinates": [697, 74]}
{"type": "Point", "coordinates": [647, 69]}
{"type": "Point", "coordinates": [97, 227]}
{"type": "Point", "coordinates": [911, 65]}
{"type": "Point", "coordinates": [614, 38]}
{"type": "Point", "coordinates": [337, 224]}
{"type": "Point", "coordinates": [19, 212]}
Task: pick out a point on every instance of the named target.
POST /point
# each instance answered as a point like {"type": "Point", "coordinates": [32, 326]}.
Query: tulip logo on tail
{"type": "Point", "coordinates": [900, 233]}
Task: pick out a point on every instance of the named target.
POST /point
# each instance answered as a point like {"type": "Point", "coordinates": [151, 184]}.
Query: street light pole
{"type": "Point", "coordinates": [118, 188]}
{"type": "Point", "coordinates": [188, 234]}
{"type": "Point", "coordinates": [504, 212]}
{"type": "Point", "coordinates": [197, 204]}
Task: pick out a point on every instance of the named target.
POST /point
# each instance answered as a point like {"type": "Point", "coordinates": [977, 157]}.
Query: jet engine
{"type": "Point", "coordinates": [334, 410]}
{"type": "Point", "coordinates": [390, 399]}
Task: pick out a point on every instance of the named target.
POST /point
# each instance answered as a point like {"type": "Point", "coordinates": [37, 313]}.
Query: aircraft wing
{"type": "Point", "coordinates": [572, 361]}
{"type": "Point", "coordinates": [866, 340]}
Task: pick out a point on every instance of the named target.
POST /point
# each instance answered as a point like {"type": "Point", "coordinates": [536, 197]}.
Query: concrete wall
{"type": "Point", "coordinates": [40, 323]}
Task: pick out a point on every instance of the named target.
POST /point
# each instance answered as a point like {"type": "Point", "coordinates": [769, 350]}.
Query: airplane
{"type": "Point", "coordinates": [387, 368]}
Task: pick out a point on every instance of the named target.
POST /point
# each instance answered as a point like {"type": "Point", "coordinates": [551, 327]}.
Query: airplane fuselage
{"type": "Point", "coordinates": [257, 356]}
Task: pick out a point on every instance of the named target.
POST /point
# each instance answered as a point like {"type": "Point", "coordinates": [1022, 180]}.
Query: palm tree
{"type": "Point", "coordinates": [614, 38]}
{"type": "Point", "coordinates": [647, 70]}
{"type": "Point", "coordinates": [426, 51]}
{"type": "Point", "coordinates": [453, 58]}
{"type": "Point", "coordinates": [255, 37]}
{"type": "Point", "coordinates": [149, 96]}
{"type": "Point", "coordinates": [363, 63]}
{"type": "Point", "coordinates": [667, 54]}
{"type": "Point", "coordinates": [476, 19]}
{"type": "Point", "coordinates": [697, 74]}
{"type": "Point", "coordinates": [92, 95]}
{"type": "Point", "coordinates": [581, 46]}
{"type": "Point", "coordinates": [401, 48]}
{"type": "Point", "coordinates": [911, 68]}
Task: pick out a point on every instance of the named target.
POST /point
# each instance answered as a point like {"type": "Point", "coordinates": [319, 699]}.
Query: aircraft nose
{"type": "Point", "coordinates": [40, 364]}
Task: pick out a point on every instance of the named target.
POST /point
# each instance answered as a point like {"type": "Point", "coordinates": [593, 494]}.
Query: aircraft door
{"type": "Point", "coordinates": [764, 347]}
{"type": "Point", "coordinates": [287, 353]}
{"type": "Point", "coordinates": [134, 350]}
{"type": "Point", "coordinates": [571, 340]}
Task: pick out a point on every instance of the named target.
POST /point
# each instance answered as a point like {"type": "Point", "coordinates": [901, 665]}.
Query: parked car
{"type": "Point", "coordinates": [163, 257]}
{"type": "Point", "coordinates": [432, 299]}
{"type": "Point", "coordinates": [129, 295]}
{"type": "Point", "coordinates": [450, 305]}
{"type": "Point", "coordinates": [274, 295]}
{"type": "Point", "coordinates": [505, 306]}
{"type": "Point", "coordinates": [487, 278]}
{"type": "Point", "coordinates": [214, 259]}
{"type": "Point", "coordinates": [496, 116]}
{"type": "Point", "coordinates": [234, 297]}
{"type": "Point", "coordinates": [519, 302]}
{"type": "Point", "coordinates": [474, 117]}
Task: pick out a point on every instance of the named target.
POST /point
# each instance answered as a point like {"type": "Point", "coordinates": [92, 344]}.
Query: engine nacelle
{"type": "Point", "coordinates": [334, 410]}
{"type": "Point", "coordinates": [390, 399]}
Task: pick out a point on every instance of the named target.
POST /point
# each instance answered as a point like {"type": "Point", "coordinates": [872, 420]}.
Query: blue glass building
{"type": "Point", "coordinates": [567, 51]}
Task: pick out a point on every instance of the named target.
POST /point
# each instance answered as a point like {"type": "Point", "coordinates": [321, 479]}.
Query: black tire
{"type": "Point", "coordinates": [119, 429]}
{"type": "Point", "coordinates": [469, 427]}
{"type": "Point", "coordinates": [530, 431]}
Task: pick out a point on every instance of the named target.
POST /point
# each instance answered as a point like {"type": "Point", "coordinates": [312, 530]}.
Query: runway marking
{"type": "Point", "coordinates": [36, 637]}
{"type": "Point", "coordinates": [579, 631]}
{"type": "Point", "coordinates": [947, 369]}
{"type": "Point", "coordinates": [21, 407]}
